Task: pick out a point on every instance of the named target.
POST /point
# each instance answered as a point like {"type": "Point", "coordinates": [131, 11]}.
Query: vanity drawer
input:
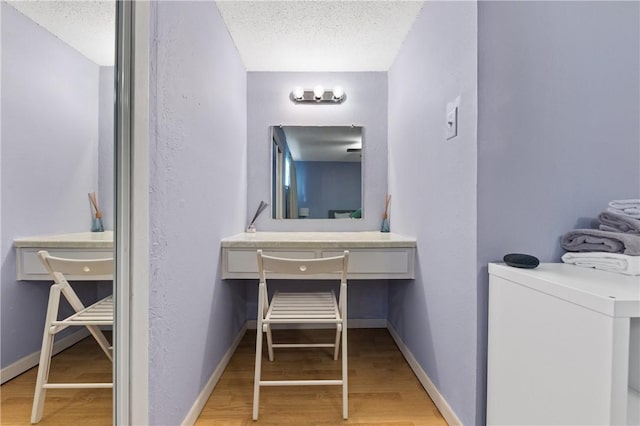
{"type": "Point", "coordinates": [29, 267]}
{"type": "Point", "coordinates": [246, 261]}
{"type": "Point", "coordinates": [381, 263]}
{"type": "Point", "coordinates": [364, 264]}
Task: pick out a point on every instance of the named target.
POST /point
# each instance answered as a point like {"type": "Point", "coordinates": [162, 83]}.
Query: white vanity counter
{"type": "Point", "coordinates": [74, 240]}
{"type": "Point", "coordinates": [79, 245]}
{"type": "Point", "coordinates": [372, 255]}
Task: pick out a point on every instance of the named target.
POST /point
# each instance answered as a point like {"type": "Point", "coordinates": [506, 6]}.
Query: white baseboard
{"type": "Point", "coordinates": [351, 323]}
{"type": "Point", "coordinates": [31, 360]}
{"type": "Point", "coordinates": [205, 393]}
{"type": "Point", "coordinates": [442, 404]}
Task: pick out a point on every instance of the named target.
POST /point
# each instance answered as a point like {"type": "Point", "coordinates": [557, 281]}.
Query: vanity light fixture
{"type": "Point", "coordinates": [338, 93]}
{"type": "Point", "coordinates": [318, 95]}
{"type": "Point", "coordinates": [298, 93]}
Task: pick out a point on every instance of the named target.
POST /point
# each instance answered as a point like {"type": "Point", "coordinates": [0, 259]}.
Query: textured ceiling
{"type": "Point", "coordinates": [295, 35]}
{"type": "Point", "coordinates": [316, 35]}
{"type": "Point", "coordinates": [88, 26]}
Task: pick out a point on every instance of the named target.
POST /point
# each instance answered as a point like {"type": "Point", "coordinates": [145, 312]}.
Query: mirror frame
{"type": "Point", "coordinates": [131, 130]}
{"type": "Point", "coordinates": [122, 129]}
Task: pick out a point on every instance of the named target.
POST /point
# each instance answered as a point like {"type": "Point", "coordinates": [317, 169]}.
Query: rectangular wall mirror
{"type": "Point", "coordinates": [316, 172]}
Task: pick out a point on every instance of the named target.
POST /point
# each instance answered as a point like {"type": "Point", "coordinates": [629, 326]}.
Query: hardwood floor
{"type": "Point", "coordinates": [382, 388]}
{"type": "Point", "coordinates": [84, 361]}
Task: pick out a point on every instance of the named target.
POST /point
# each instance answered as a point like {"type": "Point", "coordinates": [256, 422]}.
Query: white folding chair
{"type": "Point", "coordinates": [92, 317]}
{"type": "Point", "coordinates": [301, 308]}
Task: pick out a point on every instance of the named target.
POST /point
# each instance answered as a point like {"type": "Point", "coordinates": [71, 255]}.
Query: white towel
{"type": "Point", "coordinates": [628, 207]}
{"type": "Point", "coordinates": [612, 262]}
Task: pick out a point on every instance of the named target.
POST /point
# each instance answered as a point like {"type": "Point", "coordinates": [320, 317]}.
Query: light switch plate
{"type": "Point", "coordinates": [452, 123]}
{"type": "Point", "coordinates": [452, 119]}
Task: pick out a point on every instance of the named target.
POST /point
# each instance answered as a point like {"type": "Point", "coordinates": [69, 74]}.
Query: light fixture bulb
{"type": "Point", "coordinates": [298, 93]}
{"type": "Point", "coordinates": [338, 93]}
{"type": "Point", "coordinates": [318, 92]}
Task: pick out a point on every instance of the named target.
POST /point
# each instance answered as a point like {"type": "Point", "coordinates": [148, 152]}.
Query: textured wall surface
{"type": "Point", "coordinates": [197, 196]}
{"type": "Point", "coordinates": [49, 162]}
{"type": "Point", "coordinates": [558, 129]}
{"type": "Point", "coordinates": [433, 183]}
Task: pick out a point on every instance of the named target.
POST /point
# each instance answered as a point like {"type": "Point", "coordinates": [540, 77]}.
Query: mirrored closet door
{"type": "Point", "coordinates": [58, 159]}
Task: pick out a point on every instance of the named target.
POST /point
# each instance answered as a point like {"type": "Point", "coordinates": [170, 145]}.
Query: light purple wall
{"type": "Point", "coordinates": [106, 182]}
{"type": "Point", "coordinates": [558, 131]}
{"type": "Point", "coordinates": [433, 183]}
{"type": "Point", "coordinates": [197, 194]}
{"type": "Point", "coordinates": [49, 162]}
{"type": "Point", "coordinates": [324, 185]}
{"type": "Point", "coordinates": [366, 106]}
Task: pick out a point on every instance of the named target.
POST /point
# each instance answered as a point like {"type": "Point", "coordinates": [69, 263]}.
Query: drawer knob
{"type": "Point", "coordinates": [303, 268]}
{"type": "Point", "coordinates": [86, 269]}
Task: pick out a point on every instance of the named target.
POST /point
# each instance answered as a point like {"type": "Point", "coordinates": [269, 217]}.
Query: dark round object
{"type": "Point", "coordinates": [519, 260]}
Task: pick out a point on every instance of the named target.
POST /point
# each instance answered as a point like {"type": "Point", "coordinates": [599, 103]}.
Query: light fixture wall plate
{"type": "Point", "coordinates": [318, 95]}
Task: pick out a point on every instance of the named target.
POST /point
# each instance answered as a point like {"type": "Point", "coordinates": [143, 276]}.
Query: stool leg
{"type": "Point", "coordinates": [43, 377]}
{"type": "Point", "coordinates": [336, 343]}
{"type": "Point", "coordinates": [269, 342]}
{"type": "Point", "coordinates": [256, 379]}
{"type": "Point", "coordinates": [345, 368]}
{"type": "Point", "coordinates": [101, 339]}
{"type": "Point", "coordinates": [45, 355]}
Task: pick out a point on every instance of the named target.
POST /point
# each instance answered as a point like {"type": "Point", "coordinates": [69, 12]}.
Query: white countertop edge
{"type": "Point", "coordinates": [70, 240]}
{"type": "Point", "coordinates": [612, 294]}
{"type": "Point", "coordinates": [370, 239]}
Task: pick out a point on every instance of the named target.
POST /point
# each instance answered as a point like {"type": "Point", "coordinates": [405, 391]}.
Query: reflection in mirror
{"type": "Point", "coordinates": [57, 114]}
{"type": "Point", "coordinates": [316, 172]}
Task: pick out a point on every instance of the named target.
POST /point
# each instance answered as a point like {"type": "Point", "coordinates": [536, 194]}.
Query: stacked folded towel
{"type": "Point", "coordinates": [612, 262]}
{"type": "Point", "coordinates": [616, 222]}
{"type": "Point", "coordinates": [628, 207]}
{"type": "Point", "coordinates": [595, 240]}
{"type": "Point", "coordinates": [614, 247]}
